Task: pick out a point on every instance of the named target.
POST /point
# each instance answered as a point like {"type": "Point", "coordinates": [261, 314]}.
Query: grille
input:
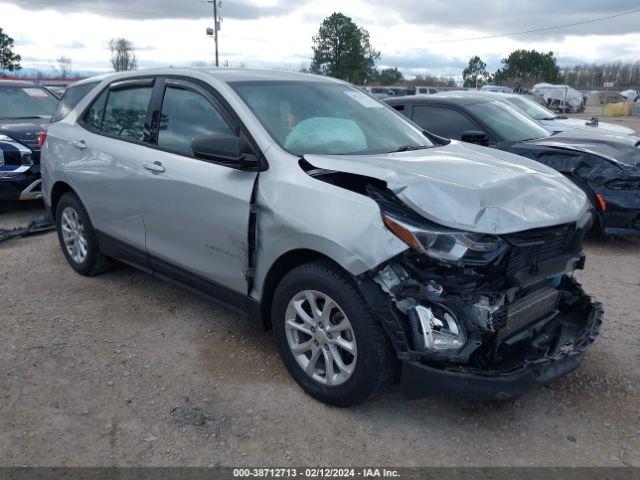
{"type": "Point", "coordinates": [528, 309]}
{"type": "Point", "coordinates": [538, 246]}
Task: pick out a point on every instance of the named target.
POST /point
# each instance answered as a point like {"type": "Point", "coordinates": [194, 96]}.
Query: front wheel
{"type": "Point", "coordinates": [328, 337]}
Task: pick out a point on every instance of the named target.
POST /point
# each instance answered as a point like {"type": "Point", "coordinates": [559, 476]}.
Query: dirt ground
{"type": "Point", "coordinates": [123, 369]}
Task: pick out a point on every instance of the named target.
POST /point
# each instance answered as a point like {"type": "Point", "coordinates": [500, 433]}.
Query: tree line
{"type": "Point", "coordinates": [623, 74]}
{"type": "Point", "coordinates": [525, 68]}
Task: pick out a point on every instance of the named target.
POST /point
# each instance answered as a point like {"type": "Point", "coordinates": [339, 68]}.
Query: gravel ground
{"type": "Point", "coordinates": [590, 112]}
{"type": "Point", "coordinates": [123, 369]}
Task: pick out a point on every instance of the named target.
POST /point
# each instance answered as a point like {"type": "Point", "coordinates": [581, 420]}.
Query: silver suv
{"type": "Point", "coordinates": [368, 246]}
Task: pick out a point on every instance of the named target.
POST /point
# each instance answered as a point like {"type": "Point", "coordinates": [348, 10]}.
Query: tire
{"type": "Point", "coordinates": [92, 262]}
{"type": "Point", "coordinates": [372, 363]}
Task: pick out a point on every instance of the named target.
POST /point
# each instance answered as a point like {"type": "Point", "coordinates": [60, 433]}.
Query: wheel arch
{"type": "Point", "coordinates": [283, 265]}
{"type": "Point", "coordinates": [57, 191]}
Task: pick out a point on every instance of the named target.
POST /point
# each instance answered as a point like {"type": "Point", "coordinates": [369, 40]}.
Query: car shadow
{"type": "Point", "coordinates": [19, 214]}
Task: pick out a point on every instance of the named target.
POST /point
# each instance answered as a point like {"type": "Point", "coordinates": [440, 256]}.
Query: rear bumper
{"type": "Point", "coordinates": [20, 184]}
{"type": "Point", "coordinates": [420, 379]}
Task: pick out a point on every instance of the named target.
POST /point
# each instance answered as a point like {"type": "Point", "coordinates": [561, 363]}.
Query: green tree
{"type": "Point", "coordinates": [475, 74]}
{"type": "Point", "coordinates": [8, 59]}
{"type": "Point", "coordinates": [389, 76]}
{"type": "Point", "coordinates": [528, 67]}
{"type": "Point", "coordinates": [342, 49]}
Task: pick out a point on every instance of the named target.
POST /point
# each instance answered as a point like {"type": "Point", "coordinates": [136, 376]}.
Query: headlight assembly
{"type": "Point", "coordinates": [440, 242]}
{"type": "Point", "coordinates": [439, 332]}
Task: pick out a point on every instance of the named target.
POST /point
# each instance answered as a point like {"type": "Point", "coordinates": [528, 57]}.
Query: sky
{"type": "Point", "coordinates": [418, 36]}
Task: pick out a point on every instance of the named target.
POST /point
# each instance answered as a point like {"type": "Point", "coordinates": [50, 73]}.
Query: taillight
{"type": "Point", "coordinates": [42, 137]}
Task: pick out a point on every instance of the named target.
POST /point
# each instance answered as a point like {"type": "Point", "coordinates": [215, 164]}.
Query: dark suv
{"type": "Point", "coordinates": [24, 110]}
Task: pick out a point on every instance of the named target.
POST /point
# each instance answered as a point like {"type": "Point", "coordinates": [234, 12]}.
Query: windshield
{"type": "Point", "coordinates": [26, 102]}
{"type": "Point", "coordinates": [531, 108]}
{"type": "Point", "coordinates": [507, 121]}
{"type": "Point", "coordinates": [310, 117]}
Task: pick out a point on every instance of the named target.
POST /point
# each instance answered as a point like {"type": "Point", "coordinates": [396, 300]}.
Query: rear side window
{"type": "Point", "coordinates": [71, 98]}
{"type": "Point", "coordinates": [93, 118]}
{"type": "Point", "coordinates": [120, 112]}
{"type": "Point", "coordinates": [186, 116]}
{"type": "Point", "coordinates": [444, 122]}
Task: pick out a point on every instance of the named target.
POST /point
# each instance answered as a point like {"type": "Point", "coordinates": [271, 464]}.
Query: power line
{"type": "Point", "coordinates": [538, 29]}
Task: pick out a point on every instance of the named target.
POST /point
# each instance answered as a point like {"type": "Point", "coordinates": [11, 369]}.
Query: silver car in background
{"type": "Point", "coordinates": [560, 123]}
{"type": "Point", "coordinates": [367, 245]}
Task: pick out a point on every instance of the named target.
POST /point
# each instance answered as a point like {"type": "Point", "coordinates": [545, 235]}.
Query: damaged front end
{"type": "Point", "coordinates": [477, 315]}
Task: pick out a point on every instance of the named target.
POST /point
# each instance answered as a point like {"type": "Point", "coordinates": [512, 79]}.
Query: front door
{"type": "Point", "coordinates": [196, 212]}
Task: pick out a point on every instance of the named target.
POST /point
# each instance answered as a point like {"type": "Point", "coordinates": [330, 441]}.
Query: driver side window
{"type": "Point", "coordinates": [187, 116]}
{"type": "Point", "coordinates": [442, 121]}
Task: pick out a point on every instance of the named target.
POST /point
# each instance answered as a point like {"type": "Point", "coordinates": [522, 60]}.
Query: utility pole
{"type": "Point", "coordinates": [216, 26]}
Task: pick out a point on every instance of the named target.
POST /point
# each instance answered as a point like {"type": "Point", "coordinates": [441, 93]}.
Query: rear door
{"type": "Point", "coordinates": [196, 211]}
{"type": "Point", "coordinates": [104, 161]}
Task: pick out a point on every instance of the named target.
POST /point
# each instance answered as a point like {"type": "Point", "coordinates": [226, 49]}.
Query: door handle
{"type": "Point", "coordinates": [79, 144]}
{"type": "Point", "coordinates": [155, 167]}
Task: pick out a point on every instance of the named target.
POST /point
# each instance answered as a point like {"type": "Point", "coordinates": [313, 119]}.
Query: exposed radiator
{"type": "Point", "coordinates": [526, 310]}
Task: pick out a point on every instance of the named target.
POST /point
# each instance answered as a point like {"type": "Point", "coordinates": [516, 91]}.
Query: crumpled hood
{"type": "Point", "coordinates": [470, 187]}
{"type": "Point", "coordinates": [617, 148]}
{"type": "Point", "coordinates": [562, 124]}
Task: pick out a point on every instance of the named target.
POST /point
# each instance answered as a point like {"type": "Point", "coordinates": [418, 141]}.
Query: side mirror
{"type": "Point", "coordinates": [475, 136]}
{"type": "Point", "coordinates": [225, 150]}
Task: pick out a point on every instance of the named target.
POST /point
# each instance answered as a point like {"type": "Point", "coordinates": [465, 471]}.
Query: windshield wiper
{"type": "Point", "coordinates": [27, 117]}
{"type": "Point", "coordinates": [408, 148]}
{"type": "Point", "coordinates": [534, 138]}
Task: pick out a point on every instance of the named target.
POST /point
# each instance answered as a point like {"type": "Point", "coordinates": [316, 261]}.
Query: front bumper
{"type": "Point", "coordinates": [622, 216]}
{"type": "Point", "coordinates": [420, 379]}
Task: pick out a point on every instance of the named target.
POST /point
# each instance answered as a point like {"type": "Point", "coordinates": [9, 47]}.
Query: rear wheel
{"type": "Point", "coordinates": [328, 336]}
{"type": "Point", "coordinates": [77, 237]}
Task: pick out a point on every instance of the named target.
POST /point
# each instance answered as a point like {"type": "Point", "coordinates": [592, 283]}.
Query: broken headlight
{"type": "Point", "coordinates": [440, 332]}
{"type": "Point", "coordinates": [439, 242]}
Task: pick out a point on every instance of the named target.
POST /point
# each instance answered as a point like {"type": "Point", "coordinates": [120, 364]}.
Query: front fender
{"type": "Point", "coordinates": [308, 214]}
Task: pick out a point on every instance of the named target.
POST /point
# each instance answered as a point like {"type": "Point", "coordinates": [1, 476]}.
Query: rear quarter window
{"type": "Point", "coordinates": [71, 98]}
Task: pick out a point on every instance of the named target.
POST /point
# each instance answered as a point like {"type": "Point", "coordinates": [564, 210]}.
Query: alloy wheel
{"type": "Point", "coordinates": [320, 337]}
{"type": "Point", "coordinates": [74, 235]}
